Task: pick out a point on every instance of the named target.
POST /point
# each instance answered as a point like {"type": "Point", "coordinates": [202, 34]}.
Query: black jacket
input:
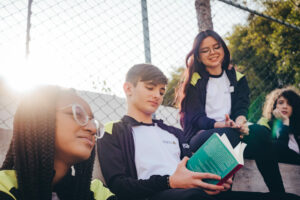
{"type": "Point", "coordinates": [64, 188]}
{"type": "Point", "coordinates": [193, 117]}
{"type": "Point", "coordinates": [284, 130]}
{"type": "Point", "coordinates": [117, 157]}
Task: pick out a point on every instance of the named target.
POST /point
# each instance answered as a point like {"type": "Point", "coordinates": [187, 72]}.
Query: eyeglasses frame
{"type": "Point", "coordinates": [98, 124]}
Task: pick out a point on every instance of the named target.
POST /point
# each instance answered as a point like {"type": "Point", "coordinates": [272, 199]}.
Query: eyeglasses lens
{"type": "Point", "coordinates": [81, 116]}
{"type": "Point", "coordinates": [82, 119]}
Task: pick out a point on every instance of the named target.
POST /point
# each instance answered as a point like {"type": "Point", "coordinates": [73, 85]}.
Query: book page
{"type": "Point", "coordinates": [239, 151]}
{"type": "Point", "coordinates": [227, 143]}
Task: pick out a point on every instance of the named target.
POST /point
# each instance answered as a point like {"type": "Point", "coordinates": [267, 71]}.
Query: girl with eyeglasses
{"type": "Point", "coordinates": [52, 150]}
{"type": "Point", "coordinates": [214, 97]}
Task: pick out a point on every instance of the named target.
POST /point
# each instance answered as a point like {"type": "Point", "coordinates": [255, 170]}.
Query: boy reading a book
{"type": "Point", "coordinates": [143, 158]}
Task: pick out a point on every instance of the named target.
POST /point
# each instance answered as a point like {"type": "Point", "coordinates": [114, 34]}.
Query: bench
{"type": "Point", "coordinates": [246, 179]}
{"type": "Point", "coordinates": [249, 179]}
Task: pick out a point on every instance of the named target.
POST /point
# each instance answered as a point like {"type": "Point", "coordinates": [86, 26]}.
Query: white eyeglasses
{"type": "Point", "coordinates": [82, 118]}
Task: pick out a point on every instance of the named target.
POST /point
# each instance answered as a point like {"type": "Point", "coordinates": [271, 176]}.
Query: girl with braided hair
{"type": "Point", "coordinates": [52, 152]}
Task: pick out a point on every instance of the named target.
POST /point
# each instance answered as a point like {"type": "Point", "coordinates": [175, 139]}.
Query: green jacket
{"type": "Point", "coordinates": [9, 187]}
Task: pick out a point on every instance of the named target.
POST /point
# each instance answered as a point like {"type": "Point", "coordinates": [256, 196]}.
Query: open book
{"type": "Point", "coordinates": [217, 156]}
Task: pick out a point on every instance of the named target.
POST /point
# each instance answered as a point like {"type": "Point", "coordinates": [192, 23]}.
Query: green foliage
{"type": "Point", "coordinates": [172, 85]}
{"type": "Point", "coordinates": [101, 86]}
{"type": "Point", "coordinates": [255, 108]}
{"type": "Point", "coordinates": [268, 52]}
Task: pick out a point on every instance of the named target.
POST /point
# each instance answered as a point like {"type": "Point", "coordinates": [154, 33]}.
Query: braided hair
{"type": "Point", "coordinates": [32, 149]}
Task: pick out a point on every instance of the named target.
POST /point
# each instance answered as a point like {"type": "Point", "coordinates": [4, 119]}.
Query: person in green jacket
{"type": "Point", "coordinates": [51, 153]}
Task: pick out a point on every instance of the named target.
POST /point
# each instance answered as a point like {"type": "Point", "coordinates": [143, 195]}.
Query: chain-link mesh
{"type": "Point", "coordinates": [90, 45]}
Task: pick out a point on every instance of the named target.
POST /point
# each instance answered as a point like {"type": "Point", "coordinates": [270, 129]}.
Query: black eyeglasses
{"type": "Point", "coordinates": [82, 119]}
{"type": "Point", "coordinates": [208, 50]}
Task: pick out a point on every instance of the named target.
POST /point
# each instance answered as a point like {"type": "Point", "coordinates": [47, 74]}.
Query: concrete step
{"type": "Point", "coordinates": [249, 179]}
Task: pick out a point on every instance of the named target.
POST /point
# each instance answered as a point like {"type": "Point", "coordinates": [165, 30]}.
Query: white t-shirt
{"type": "Point", "coordinates": [54, 196]}
{"type": "Point", "coordinates": [157, 151]}
{"type": "Point", "coordinates": [218, 97]}
{"type": "Point", "coordinates": [293, 145]}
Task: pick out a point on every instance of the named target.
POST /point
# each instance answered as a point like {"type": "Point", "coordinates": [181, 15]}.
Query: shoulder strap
{"type": "Point", "coordinates": [238, 75]}
{"type": "Point", "coordinates": [264, 122]}
{"type": "Point", "coordinates": [109, 126]}
{"type": "Point", "coordinates": [8, 180]}
{"type": "Point", "coordinates": [100, 192]}
{"type": "Point", "coordinates": [195, 77]}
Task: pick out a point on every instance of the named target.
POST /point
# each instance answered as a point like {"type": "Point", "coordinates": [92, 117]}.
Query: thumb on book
{"type": "Point", "coordinates": [184, 161]}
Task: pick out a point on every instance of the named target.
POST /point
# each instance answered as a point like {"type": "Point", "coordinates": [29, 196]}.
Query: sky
{"type": "Point", "coordinates": [91, 44]}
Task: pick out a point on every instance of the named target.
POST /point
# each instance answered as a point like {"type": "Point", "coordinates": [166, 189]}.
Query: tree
{"type": "Point", "coordinates": [268, 53]}
{"type": "Point", "coordinates": [172, 85]}
{"type": "Point", "coordinates": [203, 15]}
{"type": "Point", "coordinates": [204, 19]}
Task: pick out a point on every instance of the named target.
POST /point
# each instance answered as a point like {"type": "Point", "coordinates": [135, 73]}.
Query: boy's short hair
{"type": "Point", "coordinates": [146, 72]}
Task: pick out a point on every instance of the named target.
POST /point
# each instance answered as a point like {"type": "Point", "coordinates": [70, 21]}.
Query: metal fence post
{"type": "Point", "coordinates": [146, 31]}
{"type": "Point", "coordinates": [28, 28]}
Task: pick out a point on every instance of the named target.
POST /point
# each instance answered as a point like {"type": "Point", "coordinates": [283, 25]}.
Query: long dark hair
{"type": "Point", "coordinates": [31, 152]}
{"type": "Point", "coordinates": [294, 101]}
{"type": "Point", "coordinates": [194, 64]}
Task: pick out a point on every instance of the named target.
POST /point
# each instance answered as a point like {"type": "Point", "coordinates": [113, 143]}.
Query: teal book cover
{"type": "Point", "coordinates": [217, 156]}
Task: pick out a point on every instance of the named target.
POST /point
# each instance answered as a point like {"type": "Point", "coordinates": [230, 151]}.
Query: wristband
{"type": "Point", "coordinates": [168, 182]}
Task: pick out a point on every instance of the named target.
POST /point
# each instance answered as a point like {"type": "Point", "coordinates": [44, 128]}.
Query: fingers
{"type": "Point", "coordinates": [180, 178]}
{"type": "Point", "coordinates": [241, 120]}
{"type": "Point", "coordinates": [211, 186]}
{"type": "Point", "coordinates": [234, 125]}
{"type": "Point", "coordinates": [211, 192]}
{"type": "Point", "coordinates": [206, 176]}
{"type": "Point", "coordinates": [207, 186]}
{"type": "Point", "coordinates": [199, 177]}
{"type": "Point", "coordinates": [275, 113]}
{"type": "Point", "coordinates": [244, 129]}
{"type": "Point", "coordinates": [230, 123]}
{"type": "Point", "coordinates": [278, 114]}
{"type": "Point", "coordinates": [202, 176]}
{"type": "Point", "coordinates": [226, 186]}
{"type": "Point", "coordinates": [229, 180]}
{"type": "Point", "coordinates": [183, 161]}
{"type": "Point", "coordinates": [227, 118]}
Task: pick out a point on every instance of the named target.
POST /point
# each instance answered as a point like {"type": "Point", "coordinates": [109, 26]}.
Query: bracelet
{"type": "Point", "coordinates": [168, 182]}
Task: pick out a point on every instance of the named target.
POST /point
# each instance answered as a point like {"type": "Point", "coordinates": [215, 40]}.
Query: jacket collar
{"type": "Point", "coordinates": [133, 122]}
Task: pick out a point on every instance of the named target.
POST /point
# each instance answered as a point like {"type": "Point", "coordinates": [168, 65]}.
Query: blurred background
{"type": "Point", "coordinates": [90, 45]}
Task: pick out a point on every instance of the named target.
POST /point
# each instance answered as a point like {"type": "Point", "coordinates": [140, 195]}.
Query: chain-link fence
{"type": "Point", "coordinates": [90, 44]}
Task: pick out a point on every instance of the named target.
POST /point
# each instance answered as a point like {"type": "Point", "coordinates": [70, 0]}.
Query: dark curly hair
{"type": "Point", "coordinates": [292, 95]}
{"type": "Point", "coordinates": [31, 152]}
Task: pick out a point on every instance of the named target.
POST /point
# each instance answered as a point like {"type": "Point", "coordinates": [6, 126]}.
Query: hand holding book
{"type": "Point", "coordinates": [217, 156]}
{"type": "Point", "coordinates": [184, 178]}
